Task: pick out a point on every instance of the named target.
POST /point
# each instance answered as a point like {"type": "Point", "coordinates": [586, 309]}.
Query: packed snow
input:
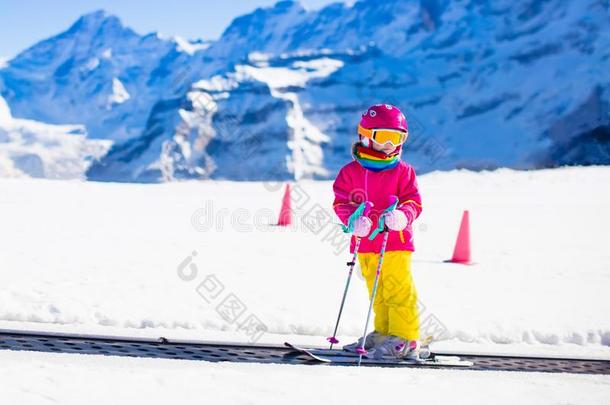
{"type": "Point", "coordinates": [35, 378]}
{"type": "Point", "coordinates": [113, 258]}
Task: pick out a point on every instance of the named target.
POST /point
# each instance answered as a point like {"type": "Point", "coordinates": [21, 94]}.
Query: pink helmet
{"type": "Point", "coordinates": [384, 116]}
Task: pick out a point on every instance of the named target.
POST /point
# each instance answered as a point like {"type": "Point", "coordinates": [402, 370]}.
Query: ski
{"type": "Point", "coordinates": [308, 352]}
{"type": "Point", "coordinates": [425, 349]}
{"type": "Point", "coordinates": [343, 357]}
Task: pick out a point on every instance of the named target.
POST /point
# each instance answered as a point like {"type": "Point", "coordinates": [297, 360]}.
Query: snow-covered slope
{"type": "Point", "coordinates": [539, 284]}
{"type": "Point", "coordinates": [484, 84]}
{"type": "Point", "coordinates": [33, 149]}
{"type": "Point", "coordinates": [68, 379]}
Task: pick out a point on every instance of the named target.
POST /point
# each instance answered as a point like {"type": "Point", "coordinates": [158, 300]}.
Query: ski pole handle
{"type": "Point", "coordinates": [363, 209]}
{"type": "Point", "coordinates": [381, 222]}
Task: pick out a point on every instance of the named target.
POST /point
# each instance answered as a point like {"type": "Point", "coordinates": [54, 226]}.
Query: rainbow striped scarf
{"type": "Point", "coordinates": [374, 160]}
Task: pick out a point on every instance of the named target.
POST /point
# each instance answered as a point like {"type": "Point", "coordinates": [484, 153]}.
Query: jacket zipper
{"type": "Point", "coordinates": [366, 184]}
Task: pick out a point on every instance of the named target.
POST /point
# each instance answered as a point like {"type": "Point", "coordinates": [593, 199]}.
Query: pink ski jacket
{"type": "Point", "coordinates": [355, 184]}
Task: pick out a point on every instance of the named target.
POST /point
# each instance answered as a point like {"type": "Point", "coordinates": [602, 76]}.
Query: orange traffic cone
{"type": "Point", "coordinates": [285, 218]}
{"type": "Point", "coordinates": [461, 252]}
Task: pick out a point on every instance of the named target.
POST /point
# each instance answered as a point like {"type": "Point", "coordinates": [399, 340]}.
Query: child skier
{"type": "Point", "coordinates": [376, 174]}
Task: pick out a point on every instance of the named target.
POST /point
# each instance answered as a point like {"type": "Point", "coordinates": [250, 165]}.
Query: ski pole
{"type": "Point", "coordinates": [366, 206]}
{"type": "Point", "coordinates": [380, 228]}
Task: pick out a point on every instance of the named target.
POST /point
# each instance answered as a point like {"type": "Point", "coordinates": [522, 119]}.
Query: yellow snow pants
{"type": "Point", "coordinates": [395, 303]}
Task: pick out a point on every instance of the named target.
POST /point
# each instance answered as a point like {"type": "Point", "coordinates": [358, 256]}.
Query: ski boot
{"type": "Point", "coordinates": [373, 339]}
{"type": "Point", "coordinates": [391, 347]}
{"type": "Point", "coordinates": [396, 347]}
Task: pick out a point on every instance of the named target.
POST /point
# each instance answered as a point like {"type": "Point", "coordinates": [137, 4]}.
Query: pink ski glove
{"type": "Point", "coordinates": [362, 227]}
{"type": "Point", "coordinates": [396, 220]}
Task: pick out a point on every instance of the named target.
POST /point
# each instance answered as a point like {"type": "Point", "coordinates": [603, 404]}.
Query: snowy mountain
{"type": "Point", "coordinates": [97, 73]}
{"type": "Point", "coordinates": [33, 149]}
{"type": "Point", "coordinates": [484, 84]}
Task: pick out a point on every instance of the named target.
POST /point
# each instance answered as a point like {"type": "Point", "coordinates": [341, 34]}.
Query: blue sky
{"type": "Point", "coordinates": [25, 22]}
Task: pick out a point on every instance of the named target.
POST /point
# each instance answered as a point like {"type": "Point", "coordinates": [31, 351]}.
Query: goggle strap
{"type": "Point", "coordinates": [367, 133]}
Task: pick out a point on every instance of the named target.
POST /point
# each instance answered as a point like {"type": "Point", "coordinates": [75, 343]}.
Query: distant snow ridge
{"type": "Point", "coordinates": [5, 112]}
{"type": "Point", "coordinates": [33, 149]}
{"type": "Point", "coordinates": [190, 47]}
{"type": "Point", "coordinates": [484, 84]}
